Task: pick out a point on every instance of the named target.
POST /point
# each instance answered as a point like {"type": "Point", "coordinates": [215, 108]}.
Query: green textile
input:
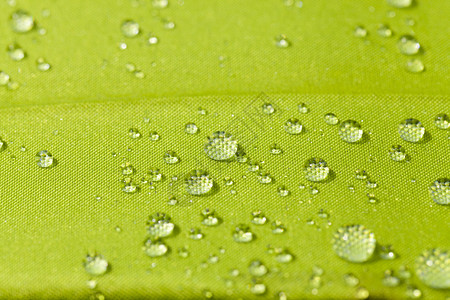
{"type": "Point", "coordinates": [82, 108]}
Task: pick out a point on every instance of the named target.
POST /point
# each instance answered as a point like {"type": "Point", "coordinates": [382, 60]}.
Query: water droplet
{"type": "Point", "coordinates": [283, 256]}
{"type": "Point", "coordinates": [154, 136]}
{"type": "Point", "coordinates": [198, 182]}
{"type": "Point", "coordinates": [274, 149]}
{"type": "Point", "coordinates": [95, 264]}
{"type": "Point", "coordinates": [97, 296]}
{"type": "Point", "coordinates": [408, 45]}
{"type": "Point", "coordinates": [183, 252]}
{"type": "Point", "coordinates": [360, 32]}
{"type": "Point", "coordinates": [281, 41]}
{"type": "Point", "coordinates": [331, 119]}
{"type": "Point", "coordinates": [354, 243]}
{"type": "Point", "coordinates": [13, 85]}
{"type": "Point", "coordinates": [22, 21]}
{"type": "Point", "coordinates": [316, 169]}
{"type": "Point", "coordinates": [168, 24]}
{"type": "Point", "coordinates": [160, 3]}
{"type": "Point", "coordinates": [202, 111]}
{"type": "Point", "coordinates": [253, 166]}
{"type": "Point", "coordinates": [257, 268]}
{"type": "Point", "coordinates": [234, 272]}
{"type": "Point", "coordinates": [400, 3]}
{"type": "Point", "coordinates": [195, 234]}
{"type": "Point", "coordinates": [129, 185]}
{"type": "Point", "coordinates": [130, 28]}
{"type": "Point", "coordinates": [371, 184]}
{"type": "Point", "coordinates": [390, 280]}
{"type": "Point", "coordinates": [412, 292]}
{"type": "Point", "coordinates": [221, 146]}
{"type": "Point", "coordinates": [442, 121]}
{"type": "Point", "coordinates": [433, 268]}
{"type": "Point", "coordinates": [207, 294]}
{"type": "Point", "coordinates": [134, 133]}
{"type": "Point", "coordinates": [264, 177]}
{"type": "Point", "coordinates": [293, 126]}
{"type": "Point", "coordinates": [313, 190]}
{"type": "Point", "coordinates": [122, 46]}
{"type": "Point", "coordinates": [171, 157]}
{"type": "Point", "coordinates": [411, 130]}
{"type": "Point", "coordinates": [127, 168]}
{"type": "Point", "coordinates": [362, 293]}
{"type": "Point", "coordinates": [258, 218]}
{"type": "Point", "coordinates": [303, 108]}
{"type": "Point", "coordinates": [242, 234]}
{"type": "Point", "coordinates": [152, 39]}
{"type": "Point", "coordinates": [154, 175]}
{"type": "Point", "coordinates": [323, 214]}
{"type": "Point", "coordinates": [351, 280]}
{"type": "Point", "coordinates": [160, 225]}
{"type": "Point", "coordinates": [415, 65]}
{"type": "Point", "coordinates": [91, 284]}
{"type": "Point", "coordinates": [4, 78]}
{"type": "Point", "coordinates": [350, 131]}
{"type": "Point", "coordinates": [44, 159]}
{"type": "Point", "coordinates": [384, 31]}
{"type": "Point", "coordinates": [387, 253]}
{"type": "Point", "coordinates": [210, 217]}
{"type": "Point", "coordinates": [282, 191]}
{"type": "Point", "coordinates": [268, 108]}
{"type": "Point", "coordinates": [397, 153]}
{"type": "Point", "coordinates": [155, 247]}
{"type": "Point", "coordinates": [241, 157]}
{"type": "Point", "coordinates": [278, 227]}
{"type": "Point", "coordinates": [15, 52]}
{"type": "Point", "coordinates": [191, 128]}
{"type": "Point", "coordinates": [42, 65]}
{"type": "Point", "coordinates": [282, 296]}
{"type": "Point", "coordinates": [440, 191]}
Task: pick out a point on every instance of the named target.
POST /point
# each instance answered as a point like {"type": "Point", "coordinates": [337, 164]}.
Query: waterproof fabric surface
{"type": "Point", "coordinates": [221, 56]}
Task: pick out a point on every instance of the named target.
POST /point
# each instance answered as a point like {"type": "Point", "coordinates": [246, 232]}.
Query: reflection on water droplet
{"type": "Point", "coordinates": [21, 21]}
{"type": "Point", "coordinates": [433, 268]}
{"type": "Point", "coordinates": [362, 293]}
{"type": "Point", "coordinates": [303, 108]}
{"type": "Point", "coordinates": [264, 177]}
{"type": "Point", "coordinates": [397, 153]}
{"type": "Point", "coordinates": [191, 128]}
{"type": "Point", "coordinates": [134, 133]}
{"type": "Point", "coordinates": [198, 182]}
{"type": "Point", "coordinates": [440, 191]}
{"type": "Point", "coordinates": [210, 217]}
{"type": "Point", "coordinates": [354, 243]}
{"type": "Point", "coordinates": [316, 169]}
{"type": "Point", "coordinates": [415, 65]}
{"type": "Point", "coordinates": [412, 292]}
{"type": "Point", "coordinates": [154, 136]}
{"type": "Point", "coordinates": [171, 157]}
{"type": "Point", "coordinates": [44, 159]}
{"type": "Point", "coordinates": [91, 284]}
{"type": "Point", "coordinates": [360, 32]}
{"type": "Point", "coordinates": [42, 64]}
{"type": "Point", "coordinates": [275, 149]}
{"type": "Point", "coordinates": [411, 130]}
{"type": "Point", "coordinates": [350, 131]}
{"type": "Point", "coordinates": [293, 126]}
{"type": "Point", "coordinates": [268, 108]}
{"type": "Point", "coordinates": [127, 168]}
{"type": "Point", "coordinates": [4, 78]}
{"type": "Point", "coordinates": [400, 3]}
{"type": "Point", "coordinates": [257, 268]}
{"type": "Point", "coordinates": [15, 52]}
{"type": "Point", "coordinates": [282, 191]}
{"type": "Point", "coordinates": [384, 31]}
{"type": "Point", "coordinates": [371, 184]}
{"type": "Point", "coordinates": [95, 264]}
{"type": "Point", "coordinates": [160, 3]}
{"type": "Point", "coordinates": [258, 288]}
{"type": "Point", "coordinates": [129, 185]}
{"type": "Point", "coordinates": [361, 174]}
{"type": "Point", "coordinates": [242, 234]}
{"type": "Point", "coordinates": [408, 45]}
{"type": "Point", "coordinates": [160, 225]}
{"type": "Point", "coordinates": [221, 146]}
{"type": "Point", "coordinates": [278, 227]}
{"type": "Point", "coordinates": [281, 41]}
{"type": "Point", "coordinates": [155, 247]}
{"type": "Point", "coordinates": [331, 119]}
{"type": "Point", "coordinates": [387, 253]}
{"type": "Point", "coordinates": [442, 121]}
{"type": "Point", "coordinates": [130, 28]}
{"type": "Point", "coordinates": [258, 218]}
{"type": "Point", "coordinates": [241, 157]}
{"type": "Point", "coordinates": [195, 234]}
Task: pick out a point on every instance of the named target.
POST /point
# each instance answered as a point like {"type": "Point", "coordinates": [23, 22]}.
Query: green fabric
{"type": "Point", "coordinates": [81, 111]}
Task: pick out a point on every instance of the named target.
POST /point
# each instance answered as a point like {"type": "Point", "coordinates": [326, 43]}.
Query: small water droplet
{"type": "Point", "coordinates": [195, 234]}
{"type": "Point", "coordinates": [130, 28]}
{"type": "Point", "coordinates": [390, 280]}
{"type": "Point", "coordinates": [415, 65]}
{"type": "Point", "coordinates": [44, 159]}
{"type": "Point", "coordinates": [387, 252]}
{"type": "Point", "coordinates": [258, 218]}
{"type": "Point", "coordinates": [154, 136]}
{"type": "Point", "coordinates": [350, 131]}
{"type": "Point", "coordinates": [160, 225]}
{"type": "Point", "coordinates": [155, 247]}
{"type": "Point", "coordinates": [397, 153]}
{"type": "Point", "coordinates": [442, 121]}
{"type": "Point", "coordinates": [15, 52]}
{"type": "Point", "coordinates": [191, 128]}
{"type": "Point", "coordinates": [360, 32]}
{"type": "Point", "coordinates": [282, 296]}
{"type": "Point", "coordinates": [152, 39]}
{"type": "Point", "coordinates": [129, 185]}
{"type": "Point", "coordinates": [160, 3]}
{"type": "Point", "coordinates": [411, 130]}
{"type": "Point", "coordinates": [371, 184]}
{"type": "Point", "coordinates": [210, 217]}
{"type": "Point", "coordinates": [408, 45]}
{"type": "Point", "coordinates": [400, 3]}
{"type": "Point", "coordinates": [183, 252]}
{"type": "Point", "coordinates": [362, 293]}
{"type": "Point", "coordinates": [207, 294]}
{"type": "Point", "coordinates": [22, 21]}
{"type": "Point", "coordinates": [234, 272]}
{"type": "Point", "coordinates": [303, 108]}
{"type": "Point", "coordinates": [95, 264]}
{"type": "Point", "coordinates": [278, 227]}
{"type": "Point", "coordinates": [384, 31]}
{"type": "Point", "coordinates": [258, 288]}
{"type": "Point", "coordinates": [91, 284]}
{"type": "Point", "coordinates": [168, 24]}
{"type": "Point", "coordinates": [171, 157]}
{"type": "Point", "coordinates": [127, 168]}
{"type": "Point", "coordinates": [354, 243]}
{"type": "Point", "coordinates": [313, 190]}
{"type": "Point", "coordinates": [4, 78]}
{"type": "Point", "coordinates": [264, 177]}
{"type": "Point", "coordinates": [281, 41]}
{"type": "Point", "coordinates": [257, 268]}
{"type": "Point", "coordinates": [440, 191]}
{"type": "Point", "coordinates": [13, 85]}
{"type": "Point", "coordinates": [172, 201]}
{"type": "Point", "coordinates": [268, 108]}
{"type": "Point", "coordinates": [122, 46]}
{"type": "Point", "coordinates": [198, 182]}
{"type": "Point", "coordinates": [275, 149]}
{"type": "Point", "coordinates": [221, 146]}
{"type": "Point", "coordinates": [323, 214]}
{"type": "Point", "coordinates": [242, 234]}
{"type": "Point", "coordinates": [412, 292]}
{"type": "Point", "coordinates": [241, 157]}
{"type": "Point", "coordinates": [213, 259]}
{"type": "Point", "coordinates": [282, 191]}
{"type": "Point", "coordinates": [293, 126]}
{"type": "Point", "coordinates": [351, 280]}
{"type": "Point", "coordinates": [316, 169]}
{"type": "Point", "coordinates": [331, 119]}
{"type": "Point", "coordinates": [134, 133]}
{"type": "Point", "coordinates": [283, 256]}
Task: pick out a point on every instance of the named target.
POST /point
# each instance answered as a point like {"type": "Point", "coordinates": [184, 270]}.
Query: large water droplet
{"type": "Point", "coordinates": [411, 130]}
{"type": "Point", "coordinates": [44, 159]}
{"type": "Point", "coordinates": [350, 131]}
{"type": "Point", "coordinates": [293, 126]}
{"type": "Point", "coordinates": [316, 169]}
{"type": "Point", "coordinates": [354, 243]}
{"type": "Point", "coordinates": [130, 28]}
{"type": "Point", "coordinates": [22, 21]}
{"type": "Point", "coordinates": [221, 146]}
{"type": "Point", "coordinates": [440, 191]}
{"type": "Point", "coordinates": [442, 121]}
{"type": "Point", "coordinates": [400, 3]}
{"type": "Point", "coordinates": [160, 225]}
{"type": "Point", "coordinates": [397, 153]}
{"type": "Point", "coordinates": [415, 65]}
{"type": "Point", "coordinates": [155, 247]}
{"type": "Point", "coordinates": [257, 268]}
{"type": "Point", "coordinates": [95, 264]}
{"type": "Point", "coordinates": [331, 119]}
{"type": "Point", "coordinates": [198, 182]}
{"type": "Point", "coordinates": [408, 45]}
{"type": "Point", "coordinates": [242, 234]}
{"type": "Point", "coordinates": [433, 268]}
